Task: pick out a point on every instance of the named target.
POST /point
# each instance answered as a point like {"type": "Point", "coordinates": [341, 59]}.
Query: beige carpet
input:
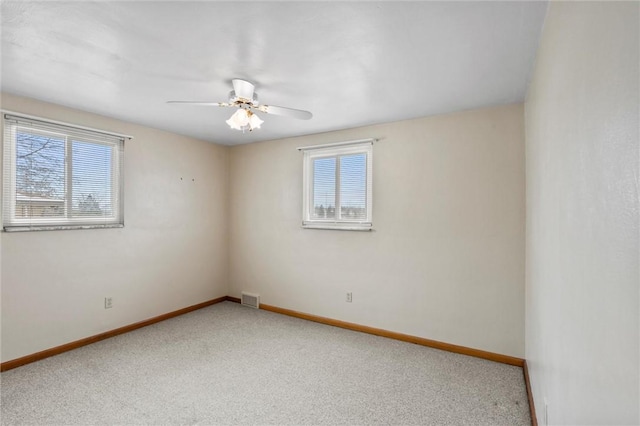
{"type": "Point", "coordinates": [228, 364]}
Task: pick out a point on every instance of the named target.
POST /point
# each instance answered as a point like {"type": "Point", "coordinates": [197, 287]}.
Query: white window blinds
{"type": "Point", "coordinates": [57, 176]}
{"type": "Point", "coordinates": [337, 191]}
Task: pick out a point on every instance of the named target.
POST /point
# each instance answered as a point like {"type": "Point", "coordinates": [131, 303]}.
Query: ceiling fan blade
{"type": "Point", "coordinates": [287, 112]}
{"type": "Point", "coordinates": [243, 88]}
{"type": "Point", "coordinates": [220, 104]}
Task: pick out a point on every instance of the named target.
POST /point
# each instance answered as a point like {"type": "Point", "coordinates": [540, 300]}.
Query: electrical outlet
{"type": "Point", "coordinates": [349, 297]}
{"type": "Point", "coordinates": [108, 302]}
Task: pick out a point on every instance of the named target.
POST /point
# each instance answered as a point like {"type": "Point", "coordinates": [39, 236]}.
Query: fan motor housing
{"type": "Point", "coordinates": [233, 98]}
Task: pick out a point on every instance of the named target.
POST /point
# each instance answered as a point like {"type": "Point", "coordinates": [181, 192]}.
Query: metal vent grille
{"type": "Point", "coordinates": [251, 300]}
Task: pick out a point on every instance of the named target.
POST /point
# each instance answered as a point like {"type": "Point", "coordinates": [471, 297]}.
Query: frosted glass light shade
{"type": "Point", "coordinates": [255, 122]}
{"type": "Point", "coordinates": [243, 120]}
{"type": "Point", "coordinates": [239, 119]}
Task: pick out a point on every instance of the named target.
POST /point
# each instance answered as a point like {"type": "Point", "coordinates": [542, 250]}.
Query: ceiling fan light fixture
{"type": "Point", "coordinates": [238, 120]}
{"type": "Point", "coordinates": [245, 99]}
{"type": "Point", "coordinates": [243, 119]}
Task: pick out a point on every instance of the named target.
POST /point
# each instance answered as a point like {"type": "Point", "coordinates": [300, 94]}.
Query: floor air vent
{"type": "Point", "coordinates": [251, 300]}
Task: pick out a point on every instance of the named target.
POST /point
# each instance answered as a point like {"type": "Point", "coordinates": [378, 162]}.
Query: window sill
{"type": "Point", "coordinates": [338, 227]}
{"type": "Point", "coordinates": [18, 228]}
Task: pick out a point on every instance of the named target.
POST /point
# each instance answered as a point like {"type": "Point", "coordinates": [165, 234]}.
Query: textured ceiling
{"type": "Point", "coordinates": [350, 64]}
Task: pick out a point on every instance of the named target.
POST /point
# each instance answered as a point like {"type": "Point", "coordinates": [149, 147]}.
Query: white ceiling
{"type": "Point", "coordinates": [349, 63]}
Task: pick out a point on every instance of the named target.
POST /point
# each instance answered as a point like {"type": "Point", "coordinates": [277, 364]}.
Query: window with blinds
{"type": "Point", "coordinates": [58, 176]}
{"type": "Point", "coordinates": [338, 186]}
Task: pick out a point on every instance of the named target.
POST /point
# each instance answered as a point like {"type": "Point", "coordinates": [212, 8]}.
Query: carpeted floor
{"type": "Point", "coordinates": [228, 364]}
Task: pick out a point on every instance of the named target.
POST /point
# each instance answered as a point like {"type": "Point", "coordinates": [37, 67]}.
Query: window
{"type": "Point", "coordinates": [337, 186]}
{"type": "Point", "coordinates": [57, 176]}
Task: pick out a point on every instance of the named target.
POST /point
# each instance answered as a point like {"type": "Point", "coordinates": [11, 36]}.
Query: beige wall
{"type": "Point", "coordinates": [582, 296]}
{"type": "Point", "coordinates": [445, 261]}
{"type": "Point", "coordinates": [172, 252]}
{"type": "Point", "coordinates": [446, 258]}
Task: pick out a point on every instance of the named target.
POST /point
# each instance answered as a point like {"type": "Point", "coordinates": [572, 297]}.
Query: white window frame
{"type": "Point", "coordinates": [337, 150]}
{"type": "Point", "coordinates": [13, 122]}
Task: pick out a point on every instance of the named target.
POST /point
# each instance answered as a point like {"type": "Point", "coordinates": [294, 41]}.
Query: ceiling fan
{"type": "Point", "coordinates": [244, 97]}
